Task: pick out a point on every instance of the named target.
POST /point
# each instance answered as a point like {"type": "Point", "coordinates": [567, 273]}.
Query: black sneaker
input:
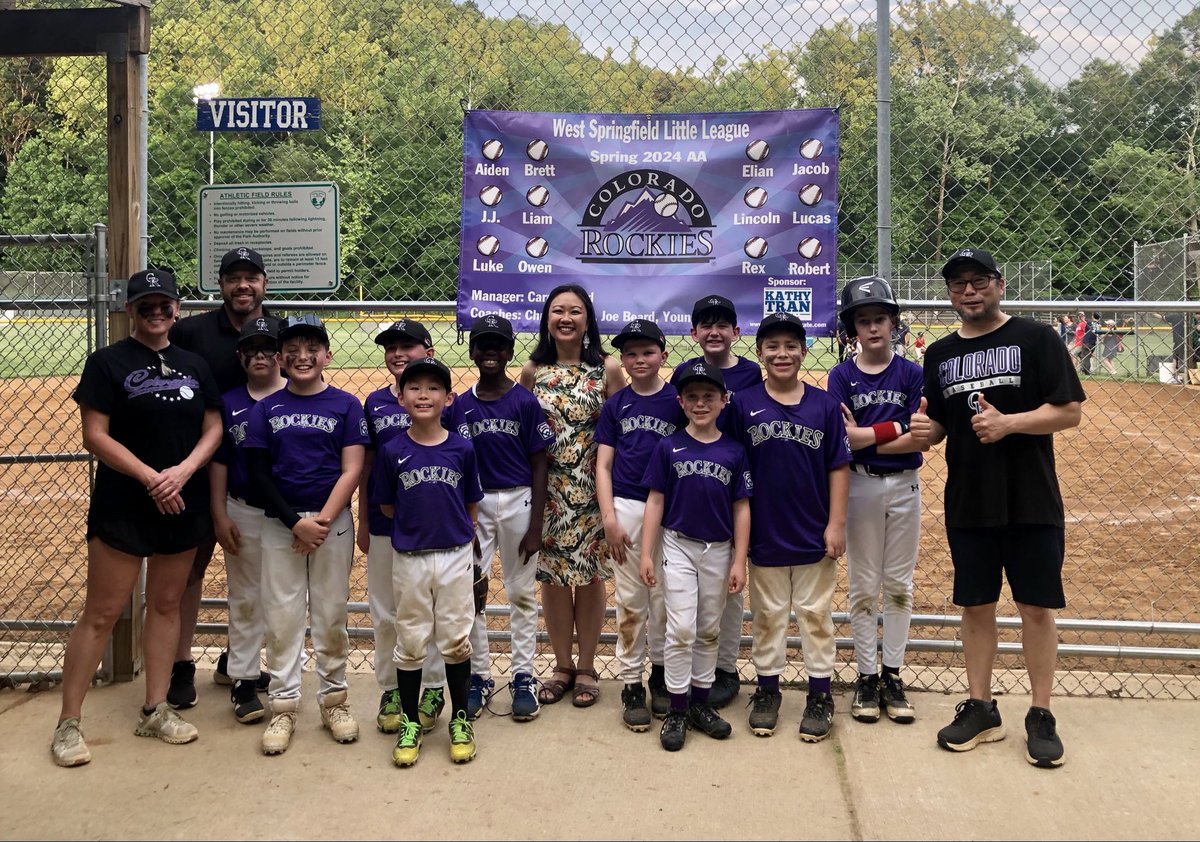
{"type": "Point", "coordinates": [221, 675]}
{"type": "Point", "coordinates": [818, 718]}
{"type": "Point", "coordinates": [1043, 747]}
{"type": "Point", "coordinates": [725, 688]}
{"type": "Point", "coordinates": [182, 692]}
{"type": "Point", "coordinates": [974, 722]}
{"type": "Point", "coordinates": [894, 701]}
{"type": "Point", "coordinates": [660, 699]}
{"type": "Point", "coordinates": [764, 712]}
{"type": "Point", "coordinates": [674, 730]}
{"type": "Point", "coordinates": [246, 706]}
{"type": "Point", "coordinates": [865, 707]}
{"type": "Point", "coordinates": [703, 717]}
{"type": "Point", "coordinates": [636, 715]}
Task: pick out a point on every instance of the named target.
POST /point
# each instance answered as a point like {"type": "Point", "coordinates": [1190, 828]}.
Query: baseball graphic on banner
{"type": "Point", "coordinates": [757, 150]}
{"type": "Point", "coordinates": [812, 148]}
{"type": "Point", "coordinates": [488, 245]}
{"type": "Point", "coordinates": [493, 149]}
{"type": "Point", "coordinates": [490, 195]}
{"type": "Point", "coordinates": [809, 247]}
{"type": "Point", "coordinates": [666, 204]}
{"type": "Point", "coordinates": [755, 197]}
{"type": "Point", "coordinates": [537, 150]}
{"type": "Point", "coordinates": [537, 247]}
{"type": "Point", "coordinates": [755, 247]}
{"type": "Point", "coordinates": [537, 195]}
{"type": "Point", "coordinates": [810, 194]}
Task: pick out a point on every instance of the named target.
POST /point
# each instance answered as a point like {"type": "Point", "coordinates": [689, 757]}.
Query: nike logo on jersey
{"type": "Point", "coordinates": [276, 406]}
{"type": "Point", "coordinates": [854, 382]}
{"type": "Point", "coordinates": [626, 406]}
{"type": "Point", "coordinates": [468, 412]}
{"type": "Point", "coordinates": [402, 461]}
{"type": "Point", "coordinates": [754, 412]}
{"type": "Point", "coordinates": [238, 412]}
{"type": "Point", "coordinates": [677, 449]}
{"type": "Point", "coordinates": [383, 408]}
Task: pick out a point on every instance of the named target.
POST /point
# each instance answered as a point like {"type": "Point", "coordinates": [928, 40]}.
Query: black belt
{"type": "Point", "coordinates": [876, 472]}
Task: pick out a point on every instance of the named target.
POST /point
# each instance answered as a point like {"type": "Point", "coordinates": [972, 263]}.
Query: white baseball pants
{"type": "Point", "coordinates": [641, 611]}
{"type": "Point", "coordinates": [502, 519]}
{"type": "Point", "coordinates": [381, 602]}
{"type": "Point", "coordinates": [732, 617]}
{"type": "Point", "coordinates": [319, 581]}
{"type": "Point", "coordinates": [774, 592]}
{"type": "Point", "coordinates": [243, 574]}
{"type": "Point", "coordinates": [434, 602]}
{"type": "Point", "coordinates": [695, 580]}
{"type": "Point", "coordinates": [883, 534]}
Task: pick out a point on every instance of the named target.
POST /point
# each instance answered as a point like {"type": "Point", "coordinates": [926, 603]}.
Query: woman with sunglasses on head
{"type": "Point", "coordinates": [150, 413]}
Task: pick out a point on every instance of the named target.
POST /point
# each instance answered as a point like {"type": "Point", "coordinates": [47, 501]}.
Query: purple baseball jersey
{"type": "Point", "coordinates": [633, 425]}
{"type": "Point", "coordinates": [791, 450]}
{"type": "Point", "coordinates": [893, 394]}
{"type": "Point", "coordinates": [505, 433]}
{"type": "Point", "coordinates": [700, 482]}
{"type": "Point", "coordinates": [305, 435]}
{"type": "Point", "coordinates": [430, 486]}
{"type": "Point", "coordinates": [235, 420]}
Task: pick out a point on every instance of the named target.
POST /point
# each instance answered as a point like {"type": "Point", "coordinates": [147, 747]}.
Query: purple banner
{"type": "Point", "coordinates": [649, 212]}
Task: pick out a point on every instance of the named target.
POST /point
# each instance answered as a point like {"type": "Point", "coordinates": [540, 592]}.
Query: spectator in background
{"type": "Point", "coordinates": [1077, 342]}
{"type": "Point", "coordinates": [1066, 329]}
{"type": "Point", "coordinates": [900, 338]}
{"type": "Point", "coordinates": [1087, 350]}
{"type": "Point", "coordinates": [1178, 323]}
{"type": "Point", "coordinates": [1111, 344]}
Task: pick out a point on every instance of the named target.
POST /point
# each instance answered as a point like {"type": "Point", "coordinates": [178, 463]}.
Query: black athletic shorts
{"type": "Point", "coordinates": [204, 553]}
{"type": "Point", "coordinates": [156, 534]}
{"type": "Point", "coordinates": [1029, 555]}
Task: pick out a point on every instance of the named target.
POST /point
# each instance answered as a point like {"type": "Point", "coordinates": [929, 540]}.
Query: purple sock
{"type": "Point", "coordinates": [679, 702]}
{"type": "Point", "coordinates": [770, 683]}
{"type": "Point", "coordinates": [819, 685]}
{"type": "Point", "coordinates": [700, 694]}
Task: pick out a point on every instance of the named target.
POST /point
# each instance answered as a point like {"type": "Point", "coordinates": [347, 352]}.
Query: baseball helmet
{"type": "Point", "coordinates": [862, 291]}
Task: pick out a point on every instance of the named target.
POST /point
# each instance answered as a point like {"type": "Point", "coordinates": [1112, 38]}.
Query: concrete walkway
{"type": "Point", "coordinates": [1131, 773]}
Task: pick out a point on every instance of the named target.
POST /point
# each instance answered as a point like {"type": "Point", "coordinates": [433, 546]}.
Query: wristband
{"type": "Point", "coordinates": [885, 431]}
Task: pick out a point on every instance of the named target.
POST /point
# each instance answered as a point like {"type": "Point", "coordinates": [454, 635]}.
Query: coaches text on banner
{"type": "Point", "coordinates": [649, 212]}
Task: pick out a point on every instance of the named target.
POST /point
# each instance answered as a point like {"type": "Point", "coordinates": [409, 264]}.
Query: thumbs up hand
{"type": "Point", "coordinates": [989, 423]}
{"type": "Point", "coordinates": [919, 426]}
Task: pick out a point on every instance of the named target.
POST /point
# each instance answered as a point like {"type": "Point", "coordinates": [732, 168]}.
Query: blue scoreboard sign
{"type": "Point", "coordinates": [259, 114]}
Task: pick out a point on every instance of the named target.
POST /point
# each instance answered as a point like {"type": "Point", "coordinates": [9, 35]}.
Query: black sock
{"type": "Point", "coordinates": [408, 682]}
{"type": "Point", "coordinates": [658, 674]}
{"type": "Point", "coordinates": [146, 711]}
{"type": "Point", "coordinates": [458, 680]}
{"type": "Point", "coordinates": [891, 670]}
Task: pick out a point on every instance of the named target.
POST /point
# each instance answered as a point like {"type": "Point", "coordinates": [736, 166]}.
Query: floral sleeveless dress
{"type": "Point", "coordinates": [573, 549]}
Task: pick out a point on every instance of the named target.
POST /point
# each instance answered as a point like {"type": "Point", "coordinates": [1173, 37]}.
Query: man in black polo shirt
{"type": "Point", "coordinates": [214, 336]}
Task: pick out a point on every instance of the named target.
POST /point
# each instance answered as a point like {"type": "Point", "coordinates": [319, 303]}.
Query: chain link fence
{"type": "Point", "coordinates": [1058, 136]}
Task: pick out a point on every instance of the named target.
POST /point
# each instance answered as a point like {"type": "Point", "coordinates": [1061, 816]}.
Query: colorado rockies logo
{"type": "Point", "coordinates": [699, 369]}
{"type": "Point", "coordinates": [635, 327]}
{"type": "Point", "coordinates": [260, 324]}
{"type": "Point", "coordinates": [152, 280]}
{"type": "Point", "coordinates": [713, 301]}
{"type": "Point", "coordinates": [490, 321]}
{"type": "Point", "coordinates": [244, 254]}
{"type": "Point", "coordinates": [973, 402]}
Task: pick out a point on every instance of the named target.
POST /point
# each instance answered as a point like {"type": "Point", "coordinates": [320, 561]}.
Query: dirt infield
{"type": "Point", "coordinates": [1130, 478]}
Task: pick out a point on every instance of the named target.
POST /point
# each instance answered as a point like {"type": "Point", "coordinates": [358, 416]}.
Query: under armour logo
{"type": "Point", "coordinates": [914, 487]}
{"type": "Point", "coordinates": [152, 280]}
{"type": "Point", "coordinates": [260, 324]}
{"type": "Point", "coordinates": [244, 254]}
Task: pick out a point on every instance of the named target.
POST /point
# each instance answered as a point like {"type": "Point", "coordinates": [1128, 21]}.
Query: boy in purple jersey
{"type": "Point", "coordinates": [304, 449]}
{"type": "Point", "coordinates": [879, 391]}
{"type": "Point", "coordinates": [699, 488]}
{"type": "Point", "coordinates": [795, 438]}
{"type": "Point", "coordinates": [427, 480]}
{"type": "Point", "coordinates": [715, 329]}
{"type": "Point", "coordinates": [403, 341]}
{"type": "Point", "coordinates": [632, 423]}
{"type": "Point", "coordinates": [238, 514]}
{"type": "Point", "coordinates": [508, 428]}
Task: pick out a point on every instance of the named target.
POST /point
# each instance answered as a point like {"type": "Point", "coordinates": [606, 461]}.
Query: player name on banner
{"type": "Point", "coordinates": [649, 212]}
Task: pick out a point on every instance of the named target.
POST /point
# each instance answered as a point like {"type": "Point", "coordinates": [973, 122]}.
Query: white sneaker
{"type": "Point", "coordinates": [167, 725]}
{"type": "Point", "coordinates": [335, 715]}
{"type": "Point", "coordinates": [68, 747]}
{"type": "Point", "coordinates": [278, 736]}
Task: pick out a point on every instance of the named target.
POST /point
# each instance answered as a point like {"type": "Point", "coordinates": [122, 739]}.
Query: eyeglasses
{"type": "Point", "coordinates": [251, 353]}
{"type": "Point", "coordinates": [163, 368]}
{"type": "Point", "coordinates": [960, 284]}
{"type": "Point", "coordinates": [146, 309]}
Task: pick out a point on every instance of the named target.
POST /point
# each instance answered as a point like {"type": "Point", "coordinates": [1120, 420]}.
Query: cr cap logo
{"type": "Point", "coordinates": [699, 369]}
{"type": "Point", "coordinates": [635, 327]}
{"type": "Point", "coordinates": [491, 321]}
{"type": "Point", "coordinates": [966, 253]}
{"type": "Point", "coordinates": [244, 254]}
{"type": "Point", "coordinates": [152, 280]}
{"type": "Point", "coordinates": [260, 324]}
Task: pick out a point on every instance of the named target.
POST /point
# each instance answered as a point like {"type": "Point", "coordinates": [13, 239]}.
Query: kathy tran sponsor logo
{"type": "Point", "coordinates": [646, 216]}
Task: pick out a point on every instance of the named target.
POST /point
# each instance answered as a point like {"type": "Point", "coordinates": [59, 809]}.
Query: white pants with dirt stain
{"type": "Point", "coordinates": [695, 581]}
{"type": "Point", "coordinates": [774, 592]}
{"type": "Point", "coordinates": [243, 575]}
{"type": "Point", "coordinates": [434, 603]}
{"type": "Point", "coordinates": [641, 611]}
{"type": "Point", "coordinates": [381, 602]}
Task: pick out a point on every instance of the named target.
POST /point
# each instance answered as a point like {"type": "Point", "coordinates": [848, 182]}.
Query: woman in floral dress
{"type": "Point", "coordinates": [571, 378]}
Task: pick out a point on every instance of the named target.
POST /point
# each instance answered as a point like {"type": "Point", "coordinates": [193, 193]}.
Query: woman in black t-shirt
{"type": "Point", "coordinates": [151, 414]}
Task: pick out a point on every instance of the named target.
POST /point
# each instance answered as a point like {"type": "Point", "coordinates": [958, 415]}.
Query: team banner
{"type": "Point", "coordinates": [649, 212]}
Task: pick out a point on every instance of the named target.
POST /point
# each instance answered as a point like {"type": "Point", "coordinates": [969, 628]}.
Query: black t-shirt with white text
{"type": "Point", "coordinates": [1018, 367]}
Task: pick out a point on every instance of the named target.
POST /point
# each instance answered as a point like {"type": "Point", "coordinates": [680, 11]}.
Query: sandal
{"type": "Point", "coordinates": [586, 695]}
{"type": "Point", "coordinates": [553, 690]}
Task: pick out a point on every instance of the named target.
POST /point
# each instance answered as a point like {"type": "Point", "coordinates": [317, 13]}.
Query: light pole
{"type": "Point", "coordinates": [206, 91]}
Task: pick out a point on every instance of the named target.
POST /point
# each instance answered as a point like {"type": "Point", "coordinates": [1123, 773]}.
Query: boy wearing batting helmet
{"type": "Point", "coordinates": [699, 487]}
{"type": "Point", "coordinates": [879, 390]}
{"type": "Point", "coordinates": [997, 390]}
{"type": "Point", "coordinates": [795, 438]}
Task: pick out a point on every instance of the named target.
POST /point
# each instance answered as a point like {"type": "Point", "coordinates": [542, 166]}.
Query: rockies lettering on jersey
{"type": "Point", "coordinates": [503, 426]}
{"type": "Point", "coordinates": [238, 432]}
{"type": "Point", "coordinates": [984, 369]}
{"type": "Point", "coordinates": [879, 397]}
{"type": "Point", "coordinates": [433, 473]}
{"type": "Point", "coordinates": [302, 419]}
{"type": "Point", "coordinates": [704, 468]}
{"type": "Point", "coordinates": [398, 420]}
{"type": "Point", "coordinates": [648, 423]}
{"type": "Point", "coordinates": [786, 431]}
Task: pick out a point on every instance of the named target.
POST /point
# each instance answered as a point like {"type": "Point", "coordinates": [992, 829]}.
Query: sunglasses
{"type": "Point", "coordinates": [252, 353]}
{"type": "Point", "coordinates": [146, 309]}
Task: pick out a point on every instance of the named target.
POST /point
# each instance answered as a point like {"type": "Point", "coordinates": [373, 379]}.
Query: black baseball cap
{"type": "Point", "coordinates": [242, 255]}
{"type": "Point", "coordinates": [713, 302]}
{"type": "Point", "coordinates": [306, 323]}
{"type": "Point", "coordinates": [426, 365]}
{"type": "Point", "coordinates": [490, 324]}
{"type": "Point", "coordinates": [781, 321]}
{"type": "Point", "coordinates": [702, 371]}
{"type": "Point", "coordinates": [151, 282]}
{"type": "Point", "coordinates": [640, 329]}
{"type": "Point", "coordinates": [264, 327]}
{"type": "Point", "coordinates": [405, 329]}
{"type": "Point", "coordinates": [983, 258]}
